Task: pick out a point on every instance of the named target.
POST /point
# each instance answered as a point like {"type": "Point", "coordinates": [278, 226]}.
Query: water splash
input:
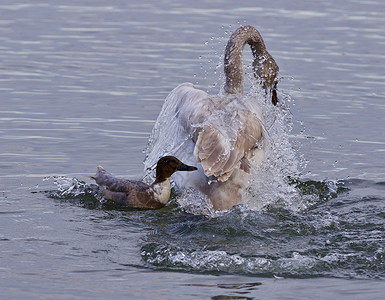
{"type": "Point", "coordinates": [217, 261]}
{"type": "Point", "coordinates": [75, 191]}
{"type": "Point", "coordinates": [332, 237]}
{"type": "Point", "coordinates": [269, 184]}
{"type": "Point", "coordinates": [193, 202]}
{"type": "Point", "coordinates": [72, 187]}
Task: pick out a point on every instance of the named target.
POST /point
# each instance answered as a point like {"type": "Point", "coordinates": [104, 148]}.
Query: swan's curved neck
{"type": "Point", "coordinates": [233, 59]}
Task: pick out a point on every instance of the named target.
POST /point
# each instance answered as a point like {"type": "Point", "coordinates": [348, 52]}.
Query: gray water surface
{"type": "Point", "coordinates": [81, 85]}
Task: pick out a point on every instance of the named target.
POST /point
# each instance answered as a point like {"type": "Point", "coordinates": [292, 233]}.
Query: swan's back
{"type": "Point", "coordinates": [223, 129]}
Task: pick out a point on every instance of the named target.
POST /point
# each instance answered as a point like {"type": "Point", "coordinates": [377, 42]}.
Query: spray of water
{"type": "Point", "coordinates": [269, 182]}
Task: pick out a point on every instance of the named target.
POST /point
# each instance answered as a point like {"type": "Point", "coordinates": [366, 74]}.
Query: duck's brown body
{"type": "Point", "coordinates": [136, 194]}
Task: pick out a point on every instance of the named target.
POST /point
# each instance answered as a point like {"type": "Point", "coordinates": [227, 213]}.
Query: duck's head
{"type": "Point", "coordinates": [168, 165]}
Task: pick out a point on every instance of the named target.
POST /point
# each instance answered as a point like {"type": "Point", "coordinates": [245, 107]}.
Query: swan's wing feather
{"type": "Point", "coordinates": [221, 146]}
{"type": "Point", "coordinates": [245, 165]}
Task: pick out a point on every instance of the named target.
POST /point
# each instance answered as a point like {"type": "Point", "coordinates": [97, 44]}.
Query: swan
{"type": "Point", "coordinates": [218, 133]}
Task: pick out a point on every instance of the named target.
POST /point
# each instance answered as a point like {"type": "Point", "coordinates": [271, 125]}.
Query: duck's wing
{"type": "Point", "coordinates": [115, 184]}
{"type": "Point", "coordinates": [224, 143]}
{"type": "Point", "coordinates": [136, 198]}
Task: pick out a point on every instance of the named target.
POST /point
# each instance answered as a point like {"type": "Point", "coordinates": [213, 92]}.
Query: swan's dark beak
{"type": "Point", "coordinates": [274, 97]}
{"type": "Point", "coordinates": [184, 167]}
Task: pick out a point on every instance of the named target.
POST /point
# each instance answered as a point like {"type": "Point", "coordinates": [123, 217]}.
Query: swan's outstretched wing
{"type": "Point", "coordinates": [169, 135]}
{"type": "Point", "coordinates": [172, 133]}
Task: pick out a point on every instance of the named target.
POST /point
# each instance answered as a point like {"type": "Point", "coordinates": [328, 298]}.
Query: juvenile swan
{"type": "Point", "coordinates": [220, 132]}
{"type": "Point", "coordinates": [137, 194]}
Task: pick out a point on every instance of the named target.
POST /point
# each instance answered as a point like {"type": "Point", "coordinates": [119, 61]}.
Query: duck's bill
{"type": "Point", "coordinates": [187, 168]}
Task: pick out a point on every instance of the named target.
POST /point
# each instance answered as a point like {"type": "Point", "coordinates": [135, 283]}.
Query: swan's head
{"type": "Point", "coordinates": [264, 66]}
{"type": "Point", "coordinates": [266, 70]}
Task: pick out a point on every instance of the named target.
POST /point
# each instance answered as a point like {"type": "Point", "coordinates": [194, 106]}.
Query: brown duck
{"type": "Point", "coordinates": [137, 194]}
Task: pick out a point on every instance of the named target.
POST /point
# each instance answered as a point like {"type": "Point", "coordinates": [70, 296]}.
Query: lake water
{"type": "Point", "coordinates": [82, 83]}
